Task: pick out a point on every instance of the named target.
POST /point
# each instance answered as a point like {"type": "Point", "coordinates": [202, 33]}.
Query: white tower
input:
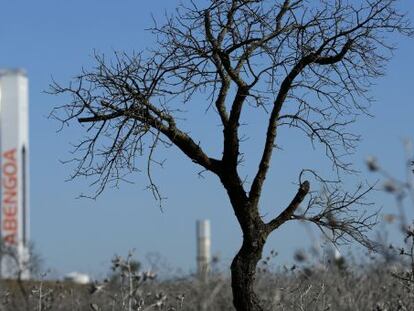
{"type": "Point", "coordinates": [203, 248]}
{"type": "Point", "coordinates": [14, 182]}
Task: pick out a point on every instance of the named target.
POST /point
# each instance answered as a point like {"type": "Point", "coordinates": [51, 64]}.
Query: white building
{"type": "Point", "coordinates": [78, 278]}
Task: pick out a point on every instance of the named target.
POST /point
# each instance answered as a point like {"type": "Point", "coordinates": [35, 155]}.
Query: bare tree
{"type": "Point", "coordinates": [308, 64]}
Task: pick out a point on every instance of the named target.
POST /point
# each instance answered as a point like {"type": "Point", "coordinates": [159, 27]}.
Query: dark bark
{"type": "Point", "coordinates": [243, 272]}
{"type": "Point", "coordinates": [255, 232]}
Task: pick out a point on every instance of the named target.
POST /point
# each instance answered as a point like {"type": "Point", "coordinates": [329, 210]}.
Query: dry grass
{"type": "Point", "coordinates": [305, 288]}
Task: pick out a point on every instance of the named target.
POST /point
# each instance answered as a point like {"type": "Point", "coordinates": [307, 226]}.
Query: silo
{"type": "Point", "coordinates": [14, 198]}
{"type": "Point", "coordinates": [203, 248]}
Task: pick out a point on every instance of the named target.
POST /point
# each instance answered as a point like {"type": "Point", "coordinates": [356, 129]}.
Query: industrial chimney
{"type": "Point", "coordinates": [203, 248]}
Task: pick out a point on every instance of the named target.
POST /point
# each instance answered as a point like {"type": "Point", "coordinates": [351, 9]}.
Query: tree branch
{"type": "Point", "coordinates": [264, 163]}
{"type": "Point", "coordinates": [329, 60]}
{"type": "Point", "coordinates": [287, 214]}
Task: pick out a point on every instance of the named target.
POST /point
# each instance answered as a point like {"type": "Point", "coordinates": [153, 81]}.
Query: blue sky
{"type": "Point", "coordinates": [55, 38]}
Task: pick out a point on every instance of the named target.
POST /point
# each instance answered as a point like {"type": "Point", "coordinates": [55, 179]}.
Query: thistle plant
{"type": "Point", "coordinates": [44, 296]}
{"type": "Point", "coordinates": [403, 191]}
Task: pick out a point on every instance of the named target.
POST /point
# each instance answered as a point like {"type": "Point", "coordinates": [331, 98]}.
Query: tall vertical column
{"type": "Point", "coordinates": [14, 182]}
{"type": "Point", "coordinates": [203, 248]}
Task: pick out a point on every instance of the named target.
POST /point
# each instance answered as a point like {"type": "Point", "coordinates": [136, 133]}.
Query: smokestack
{"type": "Point", "coordinates": [203, 248]}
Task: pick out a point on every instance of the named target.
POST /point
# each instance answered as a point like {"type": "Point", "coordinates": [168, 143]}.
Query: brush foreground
{"type": "Point", "coordinates": [372, 288]}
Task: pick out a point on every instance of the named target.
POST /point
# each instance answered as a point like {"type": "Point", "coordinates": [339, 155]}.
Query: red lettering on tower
{"type": "Point", "coordinates": [9, 223]}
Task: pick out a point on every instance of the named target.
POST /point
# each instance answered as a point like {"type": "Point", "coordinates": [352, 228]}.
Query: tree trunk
{"type": "Point", "coordinates": [255, 233]}
{"type": "Point", "coordinates": [243, 275]}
